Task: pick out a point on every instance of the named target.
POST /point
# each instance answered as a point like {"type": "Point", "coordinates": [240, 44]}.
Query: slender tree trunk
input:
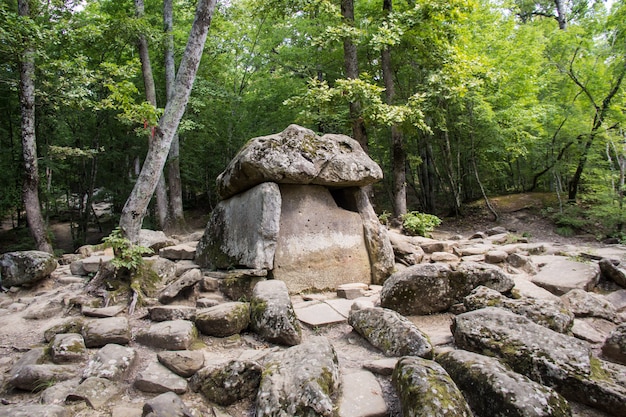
{"type": "Point", "coordinates": [148, 82]}
{"type": "Point", "coordinates": [30, 190]}
{"type": "Point", "coordinates": [176, 219]}
{"type": "Point", "coordinates": [351, 65]}
{"type": "Point", "coordinates": [561, 17]}
{"type": "Point", "coordinates": [135, 208]}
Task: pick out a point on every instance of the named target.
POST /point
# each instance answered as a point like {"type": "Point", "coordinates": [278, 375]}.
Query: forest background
{"type": "Point", "coordinates": [456, 100]}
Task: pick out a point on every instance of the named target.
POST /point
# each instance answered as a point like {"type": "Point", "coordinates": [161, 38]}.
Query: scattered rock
{"type": "Point", "coordinates": [614, 347]}
{"type": "Point", "coordinates": [563, 275]}
{"type": "Point", "coordinates": [188, 279]}
{"type": "Point", "coordinates": [585, 304]}
{"type": "Point", "coordinates": [239, 283]}
{"type": "Point", "coordinates": [166, 405]}
{"type": "Point", "coordinates": [67, 347]}
{"type": "Point", "coordinates": [272, 315]}
{"type": "Point", "coordinates": [154, 239]}
{"type": "Point", "coordinates": [95, 391]}
{"type": "Point", "coordinates": [172, 312]}
{"type": "Point", "coordinates": [227, 383]}
{"type": "Point", "coordinates": [25, 267]}
{"type": "Point", "coordinates": [224, 320]}
{"type": "Point", "coordinates": [616, 273]}
{"type": "Point", "coordinates": [100, 332]}
{"type": "Point", "coordinates": [40, 376]}
{"type": "Point", "coordinates": [182, 362]}
{"type": "Point", "coordinates": [33, 411]}
{"type": "Point", "coordinates": [178, 252]}
{"type": "Point", "coordinates": [170, 335]}
{"type": "Point", "coordinates": [103, 312]}
{"type": "Point", "coordinates": [112, 362]}
{"type": "Point", "coordinates": [158, 379]}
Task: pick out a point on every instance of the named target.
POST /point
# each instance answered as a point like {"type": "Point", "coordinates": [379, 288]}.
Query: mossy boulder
{"type": "Point", "coordinates": [227, 383]}
{"type": "Point", "coordinates": [426, 389]}
{"type": "Point", "coordinates": [272, 315]}
{"type": "Point", "coordinates": [224, 320]}
{"type": "Point", "coordinates": [25, 267]}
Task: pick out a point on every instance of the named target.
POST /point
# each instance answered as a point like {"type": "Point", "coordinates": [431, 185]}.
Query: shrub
{"type": "Point", "coordinates": [415, 223]}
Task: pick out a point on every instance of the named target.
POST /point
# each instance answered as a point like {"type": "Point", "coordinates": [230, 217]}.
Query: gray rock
{"type": "Point", "coordinates": [405, 252]}
{"type": "Point", "coordinates": [522, 262]}
{"type": "Point", "coordinates": [92, 263]}
{"type": "Point", "coordinates": [34, 356]}
{"type": "Point", "coordinates": [299, 381]}
{"type": "Point", "coordinates": [100, 332]}
{"type": "Point", "coordinates": [243, 230]}
{"type": "Point", "coordinates": [229, 382]}
{"type": "Point", "coordinates": [496, 256]}
{"type": "Point", "coordinates": [426, 389]}
{"type": "Point", "coordinates": [431, 288]}
{"type": "Point", "coordinates": [188, 279]}
{"type": "Point", "coordinates": [158, 379]}
{"type": "Point", "coordinates": [550, 358]}
{"type": "Point", "coordinates": [172, 312]}
{"type": "Point", "coordinates": [585, 304]}
{"type": "Point", "coordinates": [96, 392]}
{"type": "Point", "coordinates": [167, 404]}
{"type": "Point", "coordinates": [618, 299]}
{"type": "Point", "coordinates": [43, 309]}
{"type": "Point", "coordinates": [493, 389]}
{"type": "Point", "coordinates": [33, 411]}
{"type": "Point", "coordinates": [224, 320]}
{"type": "Point", "coordinates": [182, 362]}
{"type": "Point", "coordinates": [615, 273]}
{"type": "Point", "coordinates": [164, 268]}
{"type": "Point", "coordinates": [112, 362]}
{"type": "Point", "coordinates": [562, 275]}
{"type": "Point", "coordinates": [390, 332]}
{"type": "Point", "coordinates": [383, 367]}
{"type": "Point", "coordinates": [320, 244]}
{"type": "Point", "coordinates": [57, 393]}
{"type": "Point", "coordinates": [185, 265]}
{"type": "Point", "coordinates": [551, 314]}
{"type": "Point", "coordinates": [272, 315]}
{"type": "Point", "coordinates": [444, 257]}
{"type": "Point", "coordinates": [614, 347]}
{"type": "Point", "coordinates": [298, 156]}
{"type": "Point", "coordinates": [238, 284]}
{"type": "Point", "coordinates": [68, 347]}
{"type": "Point", "coordinates": [170, 335]}
{"type": "Point", "coordinates": [40, 376]}
{"type": "Point", "coordinates": [103, 312]}
{"type": "Point", "coordinates": [351, 291]}
{"type": "Point", "coordinates": [361, 396]}
{"type": "Point", "coordinates": [25, 267]}
{"type": "Point", "coordinates": [183, 251]}
{"type": "Point", "coordinates": [154, 239]}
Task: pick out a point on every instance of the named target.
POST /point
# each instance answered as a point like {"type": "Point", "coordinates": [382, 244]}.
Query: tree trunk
{"type": "Point", "coordinates": [561, 18]}
{"type": "Point", "coordinates": [148, 82]}
{"type": "Point", "coordinates": [176, 219]}
{"type": "Point", "coordinates": [135, 208]}
{"type": "Point", "coordinates": [30, 190]}
{"type": "Point", "coordinates": [351, 65]}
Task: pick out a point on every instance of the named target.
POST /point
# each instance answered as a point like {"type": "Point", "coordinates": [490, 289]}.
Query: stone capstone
{"type": "Point", "coordinates": [227, 383]}
{"type": "Point", "coordinates": [390, 332]}
{"type": "Point", "coordinates": [298, 156]}
{"type": "Point", "coordinates": [272, 315]}
{"type": "Point", "coordinates": [25, 267]}
{"type": "Point", "coordinates": [299, 381]}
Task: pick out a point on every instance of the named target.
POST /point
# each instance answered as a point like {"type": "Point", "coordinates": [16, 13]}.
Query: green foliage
{"type": "Point", "coordinates": [419, 224]}
{"type": "Point", "coordinates": [127, 255]}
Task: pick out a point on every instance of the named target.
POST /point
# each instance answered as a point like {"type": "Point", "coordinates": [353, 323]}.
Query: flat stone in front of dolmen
{"type": "Point", "coordinates": [320, 245]}
{"type": "Point", "coordinates": [561, 275]}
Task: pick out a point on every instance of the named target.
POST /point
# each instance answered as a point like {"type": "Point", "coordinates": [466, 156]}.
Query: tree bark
{"type": "Point", "coordinates": [135, 208]}
{"type": "Point", "coordinates": [148, 82]}
{"type": "Point", "coordinates": [30, 190]}
{"type": "Point", "coordinates": [176, 219]}
{"type": "Point", "coordinates": [561, 17]}
{"type": "Point", "coordinates": [351, 65]}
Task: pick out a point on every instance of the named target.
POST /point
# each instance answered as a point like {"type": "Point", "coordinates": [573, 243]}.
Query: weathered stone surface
{"type": "Point", "coordinates": [425, 389]}
{"type": "Point", "coordinates": [562, 275]}
{"type": "Point", "coordinates": [299, 381]}
{"type": "Point", "coordinates": [618, 299]}
{"type": "Point", "coordinates": [381, 366]}
{"type": "Point", "coordinates": [614, 347]}
{"type": "Point", "coordinates": [243, 230]}
{"type": "Point", "coordinates": [316, 313]}
{"type": "Point", "coordinates": [524, 287]}
{"type": "Point", "coordinates": [361, 396]}
{"type": "Point", "coordinates": [320, 245]}
{"type": "Point", "coordinates": [100, 332]}
{"type": "Point", "coordinates": [444, 257]}
{"type": "Point", "coordinates": [351, 291]}
{"type": "Point", "coordinates": [493, 389]}
{"type": "Point", "coordinates": [167, 404]}
{"type": "Point", "coordinates": [170, 335]}
{"type": "Point", "coordinates": [238, 284]}
{"type": "Point", "coordinates": [224, 320]}
{"type": "Point", "coordinates": [182, 362]}
{"type": "Point", "coordinates": [616, 273]}
{"type": "Point", "coordinates": [67, 347]}
{"type": "Point", "coordinates": [298, 156]}
{"type": "Point", "coordinates": [92, 263]}
{"type": "Point", "coordinates": [229, 382]}
{"type": "Point", "coordinates": [25, 267]}
{"type": "Point", "coordinates": [95, 391]}
{"type": "Point", "coordinates": [33, 411]}
{"type": "Point", "coordinates": [43, 309]}
{"type": "Point", "coordinates": [157, 378]}
{"type": "Point", "coordinates": [39, 376]}
{"type": "Point", "coordinates": [390, 332]}
{"type": "Point", "coordinates": [550, 358]}
{"type": "Point", "coordinates": [406, 253]}
{"type": "Point", "coordinates": [103, 312]}
{"type": "Point", "coordinates": [551, 314]}
{"type": "Point", "coordinates": [179, 252]}
{"type": "Point", "coordinates": [431, 288]}
{"type": "Point", "coordinates": [188, 279]}
{"type": "Point", "coordinates": [496, 256]}
{"type": "Point", "coordinates": [172, 312]}
{"type": "Point", "coordinates": [154, 239]}
{"type": "Point", "coordinates": [57, 393]}
{"type": "Point", "coordinates": [585, 304]}
{"type": "Point", "coordinates": [522, 262]}
{"type": "Point", "coordinates": [272, 315]}
{"type": "Point", "coordinates": [164, 268]}
{"type": "Point", "coordinates": [112, 362]}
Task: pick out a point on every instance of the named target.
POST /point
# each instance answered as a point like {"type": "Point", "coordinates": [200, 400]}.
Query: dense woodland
{"type": "Point", "coordinates": [457, 100]}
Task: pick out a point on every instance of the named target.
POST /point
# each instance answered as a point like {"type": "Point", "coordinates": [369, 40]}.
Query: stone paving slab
{"type": "Point", "coordinates": [362, 396]}
{"type": "Point", "coordinates": [318, 314]}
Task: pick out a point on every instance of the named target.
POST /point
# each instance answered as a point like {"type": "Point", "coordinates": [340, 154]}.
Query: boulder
{"type": "Point", "coordinates": [493, 389]}
{"type": "Point", "coordinates": [182, 362]}
{"type": "Point", "coordinates": [561, 275]}
{"type": "Point", "coordinates": [300, 381]}
{"type": "Point", "coordinates": [586, 304]}
{"type": "Point", "coordinates": [431, 288]}
{"type": "Point", "coordinates": [167, 404]}
{"type": "Point", "coordinates": [67, 347]}
{"type": "Point", "coordinates": [158, 379]}
{"type": "Point", "coordinates": [188, 279]}
{"type": "Point", "coordinates": [298, 156]}
{"type": "Point", "coordinates": [25, 267]}
{"type": "Point", "coordinates": [100, 332]}
{"type": "Point", "coordinates": [224, 320]}
{"type": "Point", "coordinates": [390, 332]}
{"type": "Point", "coordinates": [614, 347]}
{"type": "Point", "coordinates": [405, 252]}
{"type": "Point", "coordinates": [426, 389]}
{"type": "Point", "coordinates": [182, 251]}
{"type": "Point", "coordinates": [547, 357]}
{"type": "Point", "coordinates": [164, 268]}
{"type": "Point", "coordinates": [170, 335]}
{"type": "Point", "coordinates": [615, 273]}
{"type": "Point", "coordinates": [112, 361]}
{"type": "Point", "coordinates": [320, 244]}
{"type": "Point", "coordinates": [242, 230]}
{"type": "Point", "coordinates": [172, 312]}
{"type": "Point", "coordinates": [237, 284]}
{"type": "Point", "coordinates": [95, 391]}
{"type": "Point", "coordinates": [39, 376]}
{"type": "Point", "coordinates": [154, 239]}
{"type": "Point", "coordinates": [272, 315]}
{"type": "Point", "coordinates": [227, 383]}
